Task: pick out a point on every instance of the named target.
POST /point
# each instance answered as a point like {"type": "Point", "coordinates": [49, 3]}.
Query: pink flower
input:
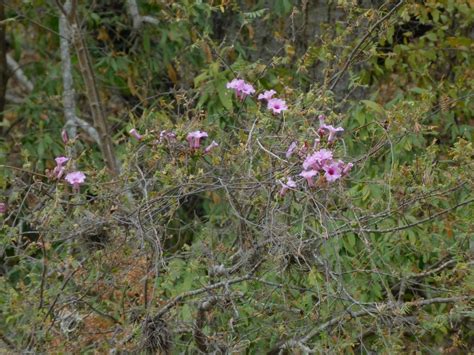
{"type": "Point", "coordinates": [333, 131]}
{"type": "Point", "coordinates": [59, 168]}
{"type": "Point", "coordinates": [60, 161]}
{"type": "Point", "coordinates": [168, 136]}
{"type": "Point", "coordinates": [323, 155]}
{"type": "Point", "coordinates": [290, 184]}
{"type": "Point", "coordinates": [316, 143]}
{"type": "Point", "coordinates": [194, 138]}
{"type": "Point", "coordinates": [347, 168]}
{"type": "Point", "coordinates": [58, 171]}
{"type": "Point", "coordinates": [75, 178]}
{"type": "Point", "coordinates": [235, 84]}
{"type": "Point", "coordinates": [310, 162]}
{"type": "Point", "coordinates": [133, 132]}
{"type": "Point", "coordinates": [339, 163]}
{"type": "Point", "coordinates": [317, 159]}
{"type": "Point", "coordinates": [64, 136]}
{"type": "Point", "coordinates": [211, 146]}
{"type": "Point", "coordinates": [321, 129]}
{"type": "Point", "coordinates": [3, 207]}
{"type": "Point", "coordinates": [277, 105]}
{"type": "Point", "coordinates": [333, 171]}
{"type": "Point", "coordinates": [247, 89]}
{"type": "Point", "coordinates": [241, 88]}
{"type": "Point", "coordinates": [291, 150]}
{"type": "Point", "coordinates": [267, 95]}
{"type": "Point", "coordinates": [308, 175]}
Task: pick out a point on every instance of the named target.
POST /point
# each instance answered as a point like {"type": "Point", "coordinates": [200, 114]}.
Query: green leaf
{"type": "Point", "coordinates": [146, 42]}
{"type": "Point", "coordinates": [40, 148]}
{"type": "Point", "coordinates": [360, 117]}
{"type": "Point", "coordinates": [408, 146]}
{"type": "Point", "coordinates": [390, 33]}
{"type": "Point", "coordinates": [351, 240]}
{"type": "Point", "coordinates": [420, 91]}
{"type": "Point", "coordinates": [254, 14]}
{"type": "Point", "coordinates": [412, 237]}
{"type": "Point", "coordinates": [432, 36]}
{"type": "Point", "coordinates": [203, 99]}
{"type": "Point", "coordinates": [282, 7]}
{"type": "Point", "coordinates": [373, 106]}
{"type": "Point", "coordinates": [225, 95]}
{"type": "Point", "coordinates": [200, 78]}
{"type": "Point", "coordinates": [389, 63]}
{"type": "Point", "coordinates": [365, 193]}
{"type": "Point", "coordinates": [314, 277]}
{"type": "Point", "coordinates": [186, 313]}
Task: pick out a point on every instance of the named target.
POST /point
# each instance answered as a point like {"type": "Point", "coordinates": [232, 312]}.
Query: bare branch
{"type": "Point", "coordinates": [95, 104]}
{"type": "Point", "coordinates": [355, 51]}
{"type": "Point", "coordinates": [91, 131]}
{"type": "Point", "coordinates": [382, 308]}
{"type": "Point", "coordinates": [14, 99]}
{"type": "Point", "coordinates": [267, 151]}
{"type": "Point", "coordinates": [204, 289]}
{"type": "Point", "coordinates": [19, 73]}
{"type": "Point", "coordinates": [202, 341]}
{"type": "Point", "coordinates": [137, 19]}
{"type": "Point", "coordinates": [68, 87]}
{"type": "Point", "coordinates": [406, 226]}
{"type": "Point", "coordinates": [8, 343]}
{"type": "Point", "coordinates": [199, 291]}
{"type": "Point", "coordinates": [63, 8]}
{"type": "Point", "coordinates": [72, 121]}
{"type": "Point", "coordinates": [150, 19]}
{"type": "Point", "coordinates": [3, 59]}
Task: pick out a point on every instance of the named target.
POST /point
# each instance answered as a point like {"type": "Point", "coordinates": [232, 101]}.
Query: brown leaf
{"type": "Point", "coordinates": [103, 35]}
{"type": "Point", "coordinates": [172, 73]}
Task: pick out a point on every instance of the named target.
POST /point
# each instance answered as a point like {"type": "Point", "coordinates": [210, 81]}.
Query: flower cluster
{"type": "Point", "coordinates": [320, 161]}
{"type": "Point", "coordinates": [194, 141]}
{"type": "Point", "coordinates": [315, 161]}
{"type": "Point", "coordinates": [243, 89]}
{"type": "Point", "coordinates": [273, 104]}
{"type": "Point", "coordinates": [75, 178]}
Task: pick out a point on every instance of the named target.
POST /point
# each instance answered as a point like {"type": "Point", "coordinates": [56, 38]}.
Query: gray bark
{"type": "Point", "coordinates": [72, 121]}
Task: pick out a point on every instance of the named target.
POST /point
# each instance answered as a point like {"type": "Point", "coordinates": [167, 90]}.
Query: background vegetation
{"type": "Point", "coordinates": [172, 250]}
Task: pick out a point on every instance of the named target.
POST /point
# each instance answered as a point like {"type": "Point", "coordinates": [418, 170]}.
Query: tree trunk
{"type": "Point", "coordinates": [3, 61]}
{"type": "Point", "coordinates": [100, 122]}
